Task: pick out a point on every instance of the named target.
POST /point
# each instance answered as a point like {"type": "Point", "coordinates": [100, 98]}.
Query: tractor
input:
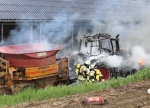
{"type": "Point", "coordinates": [103, 51]}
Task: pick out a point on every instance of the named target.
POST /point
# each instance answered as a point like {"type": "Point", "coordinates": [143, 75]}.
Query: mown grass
{"type": "Point", "coordinates": [61, 91]}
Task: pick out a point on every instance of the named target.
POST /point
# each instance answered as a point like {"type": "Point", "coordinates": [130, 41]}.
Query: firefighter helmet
{"type": "Point", "coordinates": [92, 66]}
{"type": "Point", "coordinates": [87, 63]}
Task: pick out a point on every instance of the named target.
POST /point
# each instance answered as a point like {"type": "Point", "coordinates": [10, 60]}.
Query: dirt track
{"type": "Point", "coordinates": [133, 95]}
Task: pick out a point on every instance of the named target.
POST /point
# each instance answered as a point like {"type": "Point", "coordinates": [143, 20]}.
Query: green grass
{"type": "Point", "coordinates": [61, 91]}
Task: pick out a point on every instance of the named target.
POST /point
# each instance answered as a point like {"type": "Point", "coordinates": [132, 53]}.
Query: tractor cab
{"type": "Point", "coordinates": [99, 44]}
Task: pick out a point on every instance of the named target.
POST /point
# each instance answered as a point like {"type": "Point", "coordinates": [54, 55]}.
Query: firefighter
{"type": "Point", "coordinates": [95, 74]}
{"type": "Point", "coordinates": [82, 71]}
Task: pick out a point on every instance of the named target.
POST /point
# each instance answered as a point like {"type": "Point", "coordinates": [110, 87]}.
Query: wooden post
{"type": "Point", "coordinates": [40, 32]}
{"type": "Point", "coordinates": [2, 33]}
{"type": "Point", "coordinates": [72, 37]}
{"type": "Point", "coordinates": [31, 32]}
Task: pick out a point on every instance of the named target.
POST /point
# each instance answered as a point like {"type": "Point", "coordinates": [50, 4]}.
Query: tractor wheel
{"type": "Point", "coordinates": [105, 72]}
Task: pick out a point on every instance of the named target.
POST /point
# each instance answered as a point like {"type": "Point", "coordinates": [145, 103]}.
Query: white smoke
{"type": "Point", "coordinates": [114, 61]}
{"type": "Point", "coordinates": [139, 53]}
{"type": "Point", "coordinates": [130, 19]}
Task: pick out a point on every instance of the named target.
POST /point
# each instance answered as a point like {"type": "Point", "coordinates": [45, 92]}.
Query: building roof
{"type": "Point", "coordinates": [66, 9]}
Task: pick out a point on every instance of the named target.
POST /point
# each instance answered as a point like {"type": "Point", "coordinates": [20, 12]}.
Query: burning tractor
{"type": "Point", "coordinates": [31, 65]}
{"type": "Point", "coordinates": [36, 64]}
{"type": "Point", "coordinates": [105, 53]}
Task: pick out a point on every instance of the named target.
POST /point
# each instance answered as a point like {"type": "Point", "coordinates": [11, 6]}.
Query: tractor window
{"type": "Point", "coordinates": [105, 44]}
{"type": "Point", "coordinates": [85, 47]}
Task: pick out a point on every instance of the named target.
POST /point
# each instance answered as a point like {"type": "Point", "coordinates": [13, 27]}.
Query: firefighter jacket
{"type": "Point", "coordinates": [95, 75]}
{"type": "Point", "coordinates": [82, 72]}
{"type": "Point", "coordinates": [91, 76]}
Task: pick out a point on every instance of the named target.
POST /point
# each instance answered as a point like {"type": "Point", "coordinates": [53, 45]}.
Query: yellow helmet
{"type": "Point", "coordinates": [87, 63]}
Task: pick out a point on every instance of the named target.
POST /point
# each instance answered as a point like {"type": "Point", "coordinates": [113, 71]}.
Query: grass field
{"type": "Point", "coordinates": [61, 91]}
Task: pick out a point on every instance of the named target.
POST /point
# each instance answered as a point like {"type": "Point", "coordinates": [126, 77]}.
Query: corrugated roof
{"type": "Point", "coordinates": [64, 9]}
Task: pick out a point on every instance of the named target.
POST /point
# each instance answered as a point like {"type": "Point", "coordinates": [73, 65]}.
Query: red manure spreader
{"type": "Point", "coordinates": [31, 65]}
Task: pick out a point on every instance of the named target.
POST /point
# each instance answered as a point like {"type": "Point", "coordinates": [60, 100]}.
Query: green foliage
{"type": "Point", "coordinates": [31, 94]}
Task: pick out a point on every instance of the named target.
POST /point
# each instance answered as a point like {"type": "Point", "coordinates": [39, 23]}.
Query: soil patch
{"type": "Point", "coordinates": [132, 95]}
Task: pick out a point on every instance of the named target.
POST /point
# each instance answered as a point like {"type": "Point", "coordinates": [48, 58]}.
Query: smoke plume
{"type": "Point", "coordinates": [129, 18]}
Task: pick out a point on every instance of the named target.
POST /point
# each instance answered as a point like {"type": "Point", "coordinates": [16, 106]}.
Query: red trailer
{"type": "Point", "coordinates": [32, 64]}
